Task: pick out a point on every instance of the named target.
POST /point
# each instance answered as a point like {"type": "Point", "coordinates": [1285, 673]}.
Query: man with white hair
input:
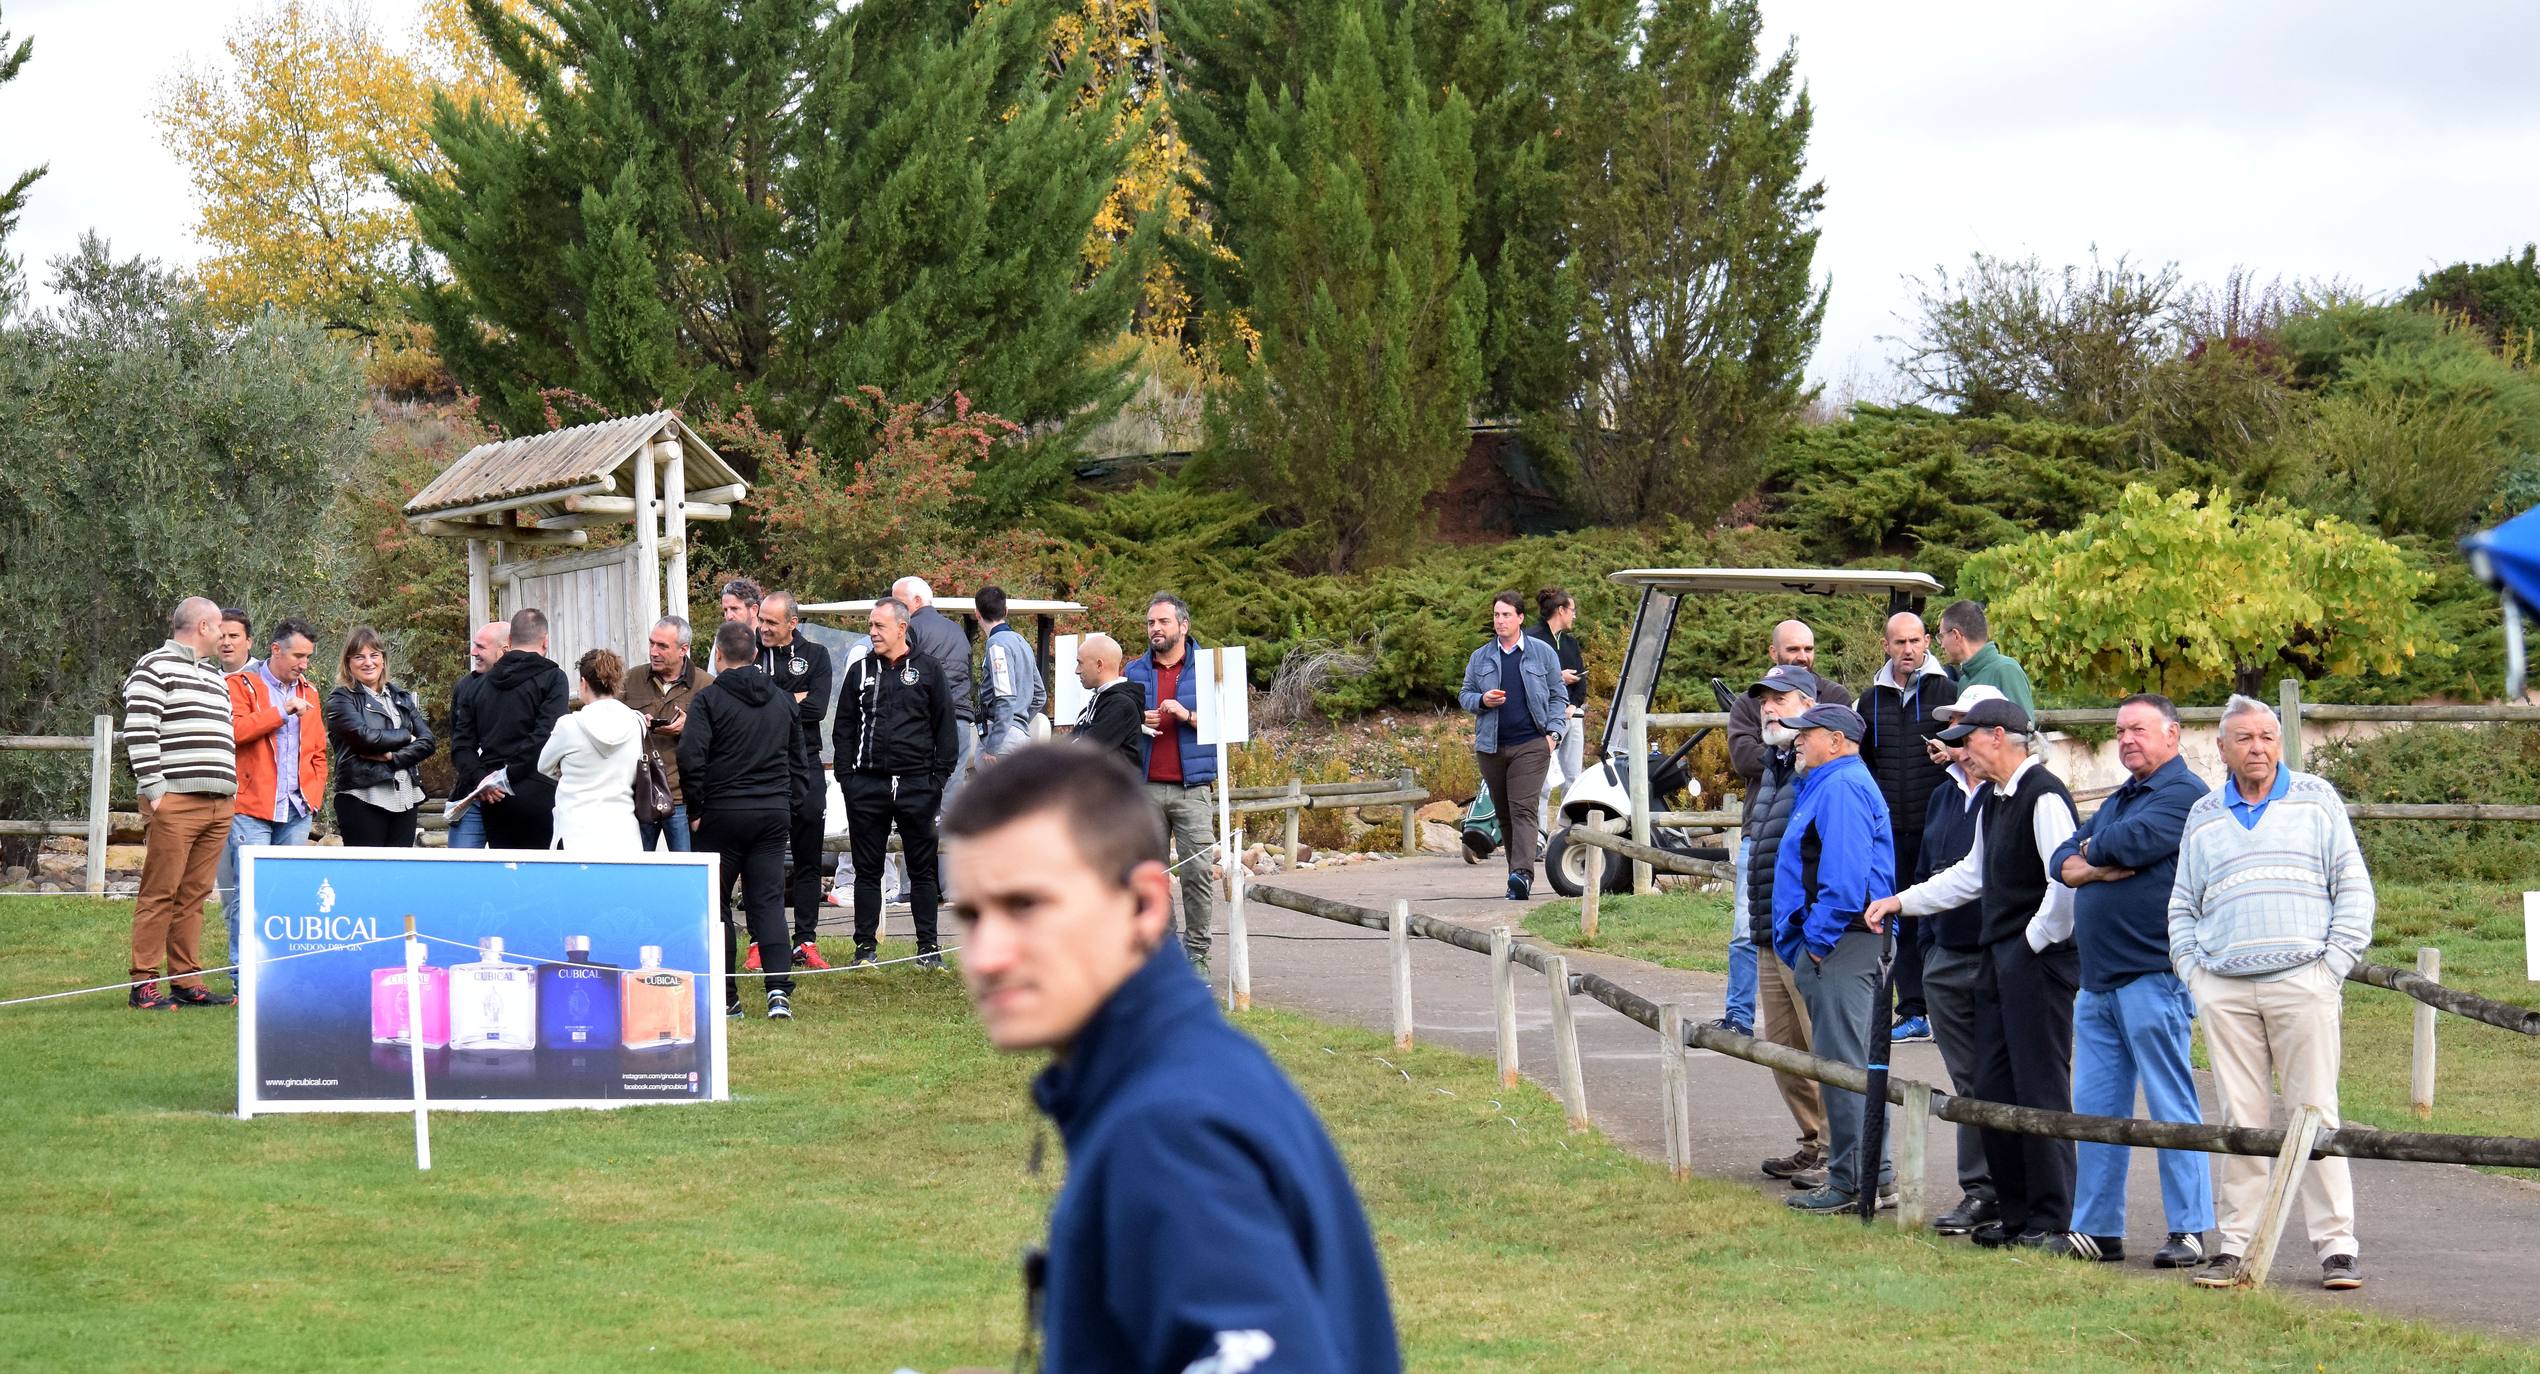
{"type": "Point", "coordinates": [1114, 714]}
{"type": "Point", "coordinates": [184, 756]}
{"type": "Point", "coordinates": [2272, 908]}
{"type": "Point", "coordinates": [941, 639]}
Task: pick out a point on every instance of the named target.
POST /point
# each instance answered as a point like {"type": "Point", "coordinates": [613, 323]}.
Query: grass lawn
{"type": "Point", "coordinates": [2483, 1075]}
{"type": "Point", "coordinates": [860, 1205]}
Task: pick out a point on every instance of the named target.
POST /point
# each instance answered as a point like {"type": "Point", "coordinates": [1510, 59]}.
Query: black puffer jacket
{"type": "Point", "coordinates": [1901, 723]}
{"type": "Point", "coordinates": [1768, 803]}
{"type": "Point", "coordinates": [356, 725]}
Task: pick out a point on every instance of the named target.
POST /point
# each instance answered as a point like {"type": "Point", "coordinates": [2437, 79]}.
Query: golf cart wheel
{"type": "Point", "coordinates": [1567, 864]}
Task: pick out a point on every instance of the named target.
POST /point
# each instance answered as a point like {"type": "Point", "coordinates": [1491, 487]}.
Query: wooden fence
{"type": "Point", "coordinates": [2293, 1148]}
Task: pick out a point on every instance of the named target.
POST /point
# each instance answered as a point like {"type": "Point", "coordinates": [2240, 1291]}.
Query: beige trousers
{"type": "Point", "coordinates": [2257, 1033]}
{"type": "Point", "coordinates": [1786, 1023]}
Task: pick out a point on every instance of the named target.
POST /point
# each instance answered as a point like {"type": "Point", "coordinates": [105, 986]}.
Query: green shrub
{"type": "Point", "coordinates": [2442, 763]}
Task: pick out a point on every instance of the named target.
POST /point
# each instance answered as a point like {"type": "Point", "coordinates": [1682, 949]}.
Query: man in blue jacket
{"type": "Point", "coordinates": [1837, 854]}
{"type": "Point", "coordinates": [2133, 1017]}
{"type": "Point", "coordinates": [1180, 772]}
{"type": "Point", "coordinates": [1207, 1223]}
{"type": "Point", "coordinates": [1512, 685]}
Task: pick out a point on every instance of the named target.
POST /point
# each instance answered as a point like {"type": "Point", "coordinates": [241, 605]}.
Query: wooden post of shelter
{"type": "Point", "coordinates": [2289, 705]}
{"type": "Point", "coordinates": [674, 509]}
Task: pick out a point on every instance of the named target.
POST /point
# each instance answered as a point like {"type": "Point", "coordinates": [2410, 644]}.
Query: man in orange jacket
{"type": "Point", "coordinates": [281, 730]}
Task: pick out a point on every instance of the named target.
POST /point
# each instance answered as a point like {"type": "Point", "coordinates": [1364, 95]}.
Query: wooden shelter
{"type": "Point", "coordinates": [649, 471]}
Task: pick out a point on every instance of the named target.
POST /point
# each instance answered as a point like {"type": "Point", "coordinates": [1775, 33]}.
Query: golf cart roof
{"type": "Point", "coordinates": [1813, 581]}
{"type": "Point", "coordinates": [948, 605]}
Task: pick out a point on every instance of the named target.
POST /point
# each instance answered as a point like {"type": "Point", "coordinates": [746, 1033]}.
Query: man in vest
{"type": "Point", "coordinates": [1953, 952]}
{"type": "Point", "coordinates": [2024, 995]}
{"type": "Point", "coordinates": [1901, 706]}
{"type": "Point", "coordinates": [1779, 697]}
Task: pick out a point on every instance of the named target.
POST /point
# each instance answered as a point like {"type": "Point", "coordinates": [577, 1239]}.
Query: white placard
{"type": "Point", "coordinates": [1225, 715]}
{"type": "Point", "coordinates": [2531, 935]}
{"type": "Point", "coordinates": [1068, 697]}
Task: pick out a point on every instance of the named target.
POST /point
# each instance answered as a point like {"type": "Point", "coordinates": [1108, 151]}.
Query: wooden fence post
{"type": "Point", "coordinates": [2294, 1161]}
{"type": "Point", "coordinates": [1238, 931]}
{"type": "Point", "coordinates": [1636, 739]}
{"type": "Point", "coordinates": [1398, 934]}
{"type": "Point", "coordinates": [1592, 893]}
{"type": "Point", "coordinates": [2289, 705]}
{"type": "Point", "coordinates": [1503, 991]}
{"type": "Point", "coordinates": [101, 777]}
{"type": "Point", "coordinates": [1404, 782]}
{"type": "Point", "coordinates": [1565, 1044]}
{"type": "Point", "coordinates": [1674, 1109]}
{"type": "Point", "coordinates": [1296, 795]}
{"type": "Point", "coordinates": [1913, 1146]}
{"type": "Point", "coordinates": [2421, 1063]}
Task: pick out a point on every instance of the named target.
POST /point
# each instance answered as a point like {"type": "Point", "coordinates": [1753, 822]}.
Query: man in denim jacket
{"type": "Point", "coordinates": [1512, 685]}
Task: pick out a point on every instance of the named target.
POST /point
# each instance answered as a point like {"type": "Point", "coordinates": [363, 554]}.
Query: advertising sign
{"type": "Point", "coordinates": [549, 980]}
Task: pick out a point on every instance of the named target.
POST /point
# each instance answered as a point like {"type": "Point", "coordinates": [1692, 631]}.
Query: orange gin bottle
{"type": "Point", "coordinates": [661, 1003]}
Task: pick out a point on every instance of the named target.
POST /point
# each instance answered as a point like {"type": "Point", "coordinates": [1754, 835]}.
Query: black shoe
{"type": "Point", "coordinates": [2075, 1245]}
{"type": "Point", "coordinates": [864, 957]}
{"type": "Point", "coordinates": [149, 997]}
{"type": "Point", "coordinates": [1993, 1235]}
{"type": "Point", "coordinates": [1809, 1155]}
{"type": "Point", "coordinates": [2185, 1250]}
{"type": "Point", "coordinates": [2341, 1272]}
{"type": "Point", "coordinates": [930, 957]}
{"type": "Point", "coordinates": [200, 997]}
{"type": "Point", "coordinates": [1521, 885]}
{"type": "Point", "coordinates": [1732, 1027]}
{"type": "Point", "coordinates": [732, 1009]}
{"type": "Point", "coordinates": [779, 1007]}
{"type": "Point", "coordinates": [1970, 1213]}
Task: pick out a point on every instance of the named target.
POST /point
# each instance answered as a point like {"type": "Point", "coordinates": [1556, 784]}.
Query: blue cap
{"type": "Point", "coordinates": [1786, 677]}
{"type": "Point", "coordinates": [1827, 716]}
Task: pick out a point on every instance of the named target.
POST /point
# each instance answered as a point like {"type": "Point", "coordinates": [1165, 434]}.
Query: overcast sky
{"type": "Point", "coordinates": [2332, 138]}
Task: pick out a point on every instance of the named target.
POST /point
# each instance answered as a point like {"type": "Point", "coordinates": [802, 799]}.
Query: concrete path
{"type": "Point", "coordinates": [2448, 1262]}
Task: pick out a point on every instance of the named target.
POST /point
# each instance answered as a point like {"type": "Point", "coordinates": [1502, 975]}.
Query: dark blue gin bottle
{"type": "Point", "coordinates": [577, 1000]}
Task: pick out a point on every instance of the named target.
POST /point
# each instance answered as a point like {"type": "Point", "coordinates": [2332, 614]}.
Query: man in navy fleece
{"type": "Point", "coordinates": [1207, 1223]}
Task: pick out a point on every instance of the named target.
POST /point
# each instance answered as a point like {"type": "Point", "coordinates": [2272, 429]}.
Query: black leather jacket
{"type": "Point", "coordinates": [355, 725]}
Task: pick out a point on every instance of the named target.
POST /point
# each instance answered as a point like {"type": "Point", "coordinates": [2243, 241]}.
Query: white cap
{"type": "Point", "coordinates": [1967, 700]}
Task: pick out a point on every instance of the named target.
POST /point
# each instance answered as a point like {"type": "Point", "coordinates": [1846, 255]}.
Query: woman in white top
{"type": "Point", "coordinates": [592, 756]}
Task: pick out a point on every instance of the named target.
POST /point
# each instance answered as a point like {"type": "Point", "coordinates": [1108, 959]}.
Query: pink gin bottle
{"type": "Point", "coordinates": [388, 1006]}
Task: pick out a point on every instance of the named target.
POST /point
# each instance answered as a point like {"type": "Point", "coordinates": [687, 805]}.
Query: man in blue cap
{"type": "Point", "coordinates": [1837, 854]}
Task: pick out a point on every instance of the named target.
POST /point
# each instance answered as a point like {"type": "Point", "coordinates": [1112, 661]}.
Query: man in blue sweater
{"type": "Point", "coordinates": [1207, 1223]}
{"type": "Point", "coordinates": [1837, 853]}
{"type": "Point", "coordinates": [2133, 1018]}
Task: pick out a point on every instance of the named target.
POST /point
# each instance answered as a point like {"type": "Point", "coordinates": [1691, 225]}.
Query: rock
{"type": "Point", "coordinates": [13, 875]}
{"type": "Point", "coordinates": [125, 858]}
{"type": "Point", "coordinates": [51, 865]}
{"type": "Point", "coordinates": [1305, 854]}
{"type": "Point", "coordinates": [1444, 838]}
{"type": "Point", "coordinates": [1441, 812]}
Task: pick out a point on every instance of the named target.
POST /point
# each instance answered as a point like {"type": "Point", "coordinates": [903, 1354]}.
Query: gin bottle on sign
{"type": "Point", "coordinates": [577, 999]}
{"type": "Point", "coordinates": [661, 1003]}
{"type": "Point", "coordinates": [493, 1004]}
{"type": "Point", "coordinates": [388, 1006]}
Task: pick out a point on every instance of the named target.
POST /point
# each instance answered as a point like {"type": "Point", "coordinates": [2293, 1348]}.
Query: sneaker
{"type": "Point", "coordinates": [1199, 965]}
{"type": "Point", "coordinates": [1913, 1030]}
{"type": "Point", "coordinates": [2341, 1272]}
{"type": "Point", "coordinates": [749, 961]}
{"type": "Point", "coordinates": [148, 997]}
{"type": "Point", "coordinates": [1809, 1178]}
{"type": "Point", "coordinates": [779, 1006]}
{"type": "Point", "coordinates": [1733, 1027]}
{"type": "Point", "coordinates": [864, 957]}
{"type": "Point", "coordinates": [2076, 1245]}
{"type": "Point", "coordinates": [200, 997]}
{"type": "Point", "coordinates": [838, 896]}
{"type": "Point", "coordinates": [1993, 1235]}
{"type": "Point", "coordinates": [807, 955]}
{"type": "Point", "coordinates": [1970, 1213]}
{"type": "Point", "coordinates": [732, 1009]}
{"type": "Point", "coordinates": [1833, 1202]}
{"type": "Point", "coordinates": [2222, 1271]}
{"type": "Point", "coordinates": [1809, 1155]}
{"type": "Point", "coordinates": [2184, 1250]}
{"type": "Point", "coordinates": [930, 958]}
{"type": "Point", "coordinates": [1517, 887]}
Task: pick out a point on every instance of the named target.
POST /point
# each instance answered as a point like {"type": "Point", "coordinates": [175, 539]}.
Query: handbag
{"type": "Point", "coordinates": [652, 790]}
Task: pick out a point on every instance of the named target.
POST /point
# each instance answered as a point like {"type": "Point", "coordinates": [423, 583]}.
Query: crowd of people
{"type": "Point", "coordinates": [1910, 839]}
{"type": "Point", "coordinates": [737, 755]}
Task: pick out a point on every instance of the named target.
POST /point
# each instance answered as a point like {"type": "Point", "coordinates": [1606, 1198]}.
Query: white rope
{"type": "Point", "coordinates": [733, 973]}
{"type": "Point", "coordinates": [224, 968]}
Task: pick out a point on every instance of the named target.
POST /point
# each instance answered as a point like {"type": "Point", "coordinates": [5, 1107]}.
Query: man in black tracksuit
{"type": "Point", "coordinates": [740, 763]}
{"type": "Point", "coordinates": [800, 668]}
{"type": "Point", "coordinates": [894, 747]}
{"type": "Point", "coordinates": [523, 697]}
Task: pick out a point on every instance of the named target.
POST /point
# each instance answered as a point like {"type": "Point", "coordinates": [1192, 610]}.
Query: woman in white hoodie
{"type": "Point", "coordinates": [592, 755]}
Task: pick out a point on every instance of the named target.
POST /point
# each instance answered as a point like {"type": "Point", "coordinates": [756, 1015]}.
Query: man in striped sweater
{"type": "Point", "coordinates": [2272, 907]}
{"type": "Point", "coordinates": [185, 764]}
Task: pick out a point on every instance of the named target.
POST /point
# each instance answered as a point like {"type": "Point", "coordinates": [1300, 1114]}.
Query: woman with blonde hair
{"type": "Point", "coordinates": [592, 756]}
{"type": "Point", "coordinates": [380, 738]}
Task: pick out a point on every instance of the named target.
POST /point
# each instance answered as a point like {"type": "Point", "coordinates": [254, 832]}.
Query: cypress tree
{"type": "Point", "coordinates": [1360, 354]}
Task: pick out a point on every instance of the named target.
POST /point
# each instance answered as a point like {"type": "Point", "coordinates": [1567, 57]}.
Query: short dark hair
{"type": "Point", "coordinates": [238, 615]}
{"type": "Point", "coordinates": [291, 625]}
{"type": "Point", "coordinates": [991, 603]}
{"type": "Point", "coordinates": [1511, 600]}
{"type": "Point", "coordinates": [744, 588]}
{"type": "Point", "coordinates": [603, 669]}
{"type": "Point", "coordinates": [1181, 608]}
{"type": "Point", "coordinates": [2162, 704]}
{"type": "Point", "coordinates": [899, 609]}
{"type": "Point", "coordinates": [1550, 600]}
{"type": "Point", "coordinates": [1967, 618]}
{"type": "Point", "coordinates": [1103, 801]}
{"type": "Point", "coordinates": [736, 642]}
{"type": "Point", "coordinates": [529, 626]}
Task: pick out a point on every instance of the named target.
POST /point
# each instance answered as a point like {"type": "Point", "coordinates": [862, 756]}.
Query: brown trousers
{"type": "Point", "coordinates": [1515, 779]}
{"type": "Point", "coordinates": [1786, 1023]}
{"type": "Point", "coordinates": [186, 834]}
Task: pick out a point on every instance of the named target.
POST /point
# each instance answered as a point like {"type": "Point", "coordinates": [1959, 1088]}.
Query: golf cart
{"type": "Point", "coordinates": [1601, 795]}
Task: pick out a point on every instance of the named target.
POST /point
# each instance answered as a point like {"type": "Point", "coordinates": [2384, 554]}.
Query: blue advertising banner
{"type": "Point", "coordinates": [548, 980]}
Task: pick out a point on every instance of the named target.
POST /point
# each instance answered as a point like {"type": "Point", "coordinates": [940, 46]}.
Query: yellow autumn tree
{"type": "Point", "coordinates": [282, 142]}
{"type": "Point", "coordinates": [1128, 69]}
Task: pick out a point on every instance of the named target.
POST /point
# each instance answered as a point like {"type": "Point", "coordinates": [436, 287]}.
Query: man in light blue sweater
{"type": "Point", "coordinates": [2272, 907]}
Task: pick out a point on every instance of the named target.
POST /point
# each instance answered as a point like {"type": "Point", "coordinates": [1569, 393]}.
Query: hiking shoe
{"type": "Point", "coordinates": [148, 997]}
{"type": "Point", "coordinates": [1518, 887]}
{"type": "Point", "coordinates": [2341, 1272]}
{"type": "Point", "coordinates": [2076, 1245]}
{"type": "Point", "coordinates": [1809, 1178]}
{"type": "Point", "coordinates": [1993, 1235]}
{"type": "Point", "coordinates": [930, 958]}
{"type": "Point", "coordinates": [1809, 1155]}
{"type": "Point", "coordinates": [1822, 1201]}
{"type": "Point", "coordinates": [1732, 1027]}
{"type": "Point", "coordinates": [1199, 965]}
{"type": "Point", "coordinates": [864, 957]}
{"type": "Point", "coordinates": [2184, 1250]}
{"type": "Point", "coordinates": [1913, 1030]}
{"type": "Point", "coordinates": [807, 955]}
{"type": "Point", "coordinates": [749, 961]}
{"type": "Point", "coordinates": [200, 997]}
{"type": "Point", "coordinates": [2222, 1271]}
{"type": "Point", "coordinates": [732, 1009]}
{"type": "Point", "coordinates": [779, 1007]}
{"type": "Point", "coordinates": [1970, 1213]}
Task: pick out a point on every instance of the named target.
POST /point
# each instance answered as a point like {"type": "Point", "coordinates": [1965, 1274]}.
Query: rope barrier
{"type": "Point", "coordinates": [224, 968]}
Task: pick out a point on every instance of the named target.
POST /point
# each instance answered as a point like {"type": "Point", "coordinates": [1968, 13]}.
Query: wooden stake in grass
{"type": "Point", "coordinates": [1238, 930]}
{"type": "Point", "coordinates": [2421, 1061]}
{"type": "Point", "coordinates": [1296, 794]}
{"type": "Point", "coordinates": [1674, 1109]}
{"type": "Point", "coordinates": [1565, 1044]}
{"type": "Point", "coordinates": [1913, 1146]}
{"type": "Point", "coordinates": [1503, 992]}
{"type": "Point", "coordinates": [2290, 1165]}
{"type": "Point", "coordinates": [1588, 894]}
{"type": "Point", "coordinates": [1398, 936]}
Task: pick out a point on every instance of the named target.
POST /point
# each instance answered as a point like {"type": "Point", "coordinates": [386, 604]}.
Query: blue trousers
{"type": "Point", "coordinates": [2136, 1034]}
{"type": "Point", "coordinates": [1741, 1009]}
{"type": "Point", "coordinates": [675, 830]}
{"type": "Point", "coordinates": [468, 831]}
{"type": "Point", "coordinates": [247, 830]}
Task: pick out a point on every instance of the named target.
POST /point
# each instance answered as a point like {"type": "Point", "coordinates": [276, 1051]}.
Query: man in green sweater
{"type": "Point", "coordinates": [1966, 643]}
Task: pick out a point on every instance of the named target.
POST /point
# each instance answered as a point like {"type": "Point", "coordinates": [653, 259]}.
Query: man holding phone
{"type": "Point", "coordinates": [1513, 687]}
